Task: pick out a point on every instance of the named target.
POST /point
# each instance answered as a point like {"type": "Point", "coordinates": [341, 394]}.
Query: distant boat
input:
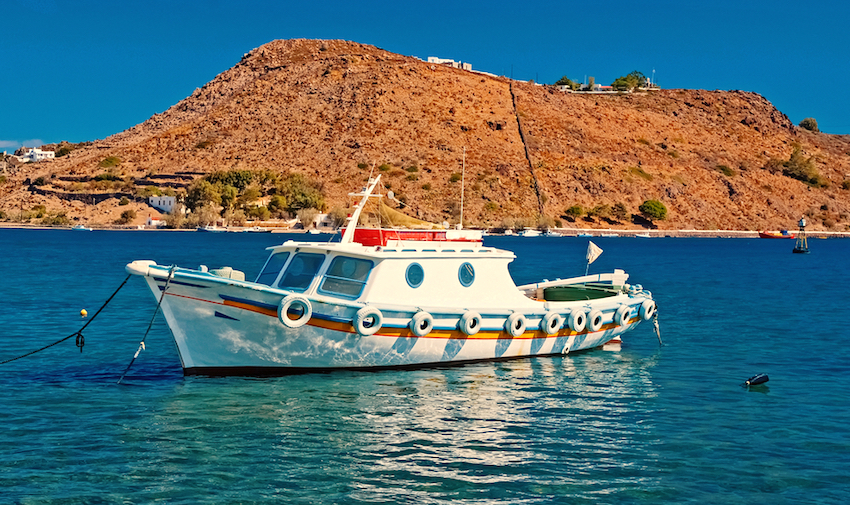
{"type": "Point", "coordinates": [211, 228]}
{"type": "Point", "coordinates": [609, 235]}
{"type": "Point", "coordinates": [80, 227]}
{"type": "Point", "coordinates": [643, 235]}
{"type": "Point", "coordinates": [776, 234]}
{"type": "Point", "coordinates": [550, 233]}
{"type": "Point", "coordinates": [584, 235]}
{"type": "Point", "coordinates": [313, 231]}
{"type": "Point", "coordinates": [529, 232]}
{"type": "Point", "coordinates": [257, 229]}
{"type": "Point", "coordinates": [509, 232]}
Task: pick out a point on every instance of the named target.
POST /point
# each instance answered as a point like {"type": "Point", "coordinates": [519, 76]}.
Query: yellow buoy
{"type": "Point", "coordinates": [84, 313]}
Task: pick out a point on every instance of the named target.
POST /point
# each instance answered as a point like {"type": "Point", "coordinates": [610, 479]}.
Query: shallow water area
{"type": "Point", "coordinates": [645, 424]}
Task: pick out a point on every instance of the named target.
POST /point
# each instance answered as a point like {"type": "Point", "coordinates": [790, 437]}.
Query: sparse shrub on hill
{"type": "Point", "coordinates": [803, 169]}
{"type": "Point", "coordinates": [455, 177]}
{"type": "Point", "coordinates": [124, 201]}
{"type": "Point", "coordinates": [109, 161]}
{"type": "Point", "coordinates": [845, 184]}
{"type": "Point", "coordinates": [576, 211]}
{"type": "Point", "coordinates": [106, 176]}
{"type": "Point", "coordinates": [126, 217]}
{"type": "Point", "coordinates": [620, 211]}
{"type": "Point", "coordinates": [603, 211]}
{"type": "Point", "coordinates": [723, 169]}
{"type": "Point", "coordinates": [810, 124]}
{"type": "Point", "coordinates": [39, 182]}
{"type": "Point", "coordinates": [654, 210]}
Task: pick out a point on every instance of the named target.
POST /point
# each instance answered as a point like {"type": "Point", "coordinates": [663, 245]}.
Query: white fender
{"type": "Point", "coordinates": [295, 301]}
{"type": "Point", "coordinates": [647, 309]}
{"type": "Point", "coordinates": [551, 323]}
{"type": "Point", "coordinates": [368, 321]}
{"type": "Point", "coordinates": [469, 322]}
{"type": "Point", "coordinates": [623, 315]}
{"type": "Point", "coordinates": [577, 320]}
{"type": "Point", "coordinates": [515, 324]}
{"type": "Point", "coordinates": [594, 320]}
{"type": "Point", "coordinates": [421, 323]}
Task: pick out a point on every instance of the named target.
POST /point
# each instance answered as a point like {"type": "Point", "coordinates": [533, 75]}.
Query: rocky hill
{"type": "Point", "coordinates": [716, 159]}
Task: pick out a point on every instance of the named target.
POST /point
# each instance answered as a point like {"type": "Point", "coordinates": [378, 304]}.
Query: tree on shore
{"type": "Point", "coordinates": [629, 82]}
{"type": "Point", "coordinates": [654, 210]}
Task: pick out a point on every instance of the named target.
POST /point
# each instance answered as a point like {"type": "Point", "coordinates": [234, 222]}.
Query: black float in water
{"type": "Point", "coordinates": [757, 379]}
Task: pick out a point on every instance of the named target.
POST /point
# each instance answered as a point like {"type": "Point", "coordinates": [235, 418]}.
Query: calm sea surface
{"type": "Point", "coordinates": [646, 424]}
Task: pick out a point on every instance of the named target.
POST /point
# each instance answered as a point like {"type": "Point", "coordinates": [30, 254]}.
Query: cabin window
{"type": "Point", "coordinates": [272, 268]}
{"type": "Point", "coordinates": [301, 271]}
{"type": "Point", "coordinates": [346, 276]}
{"type": "Point", "coordinates": [414, 275]}
{"type": "Point", "coordinates": [466, 274]}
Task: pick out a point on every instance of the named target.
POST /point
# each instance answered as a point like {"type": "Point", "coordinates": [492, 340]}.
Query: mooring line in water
{"type": "Point", "coordinates": [657, 327]}
{"type": "Point", "coordinates": [156, 310]}
{"type": "Point", "coordinates": [81, 340]}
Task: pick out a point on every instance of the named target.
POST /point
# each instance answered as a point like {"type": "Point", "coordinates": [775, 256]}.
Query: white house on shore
{"type": "Point", "coordinates": [163, 204]}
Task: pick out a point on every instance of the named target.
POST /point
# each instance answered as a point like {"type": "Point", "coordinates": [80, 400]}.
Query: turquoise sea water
{"type": "Point", "coordinates": [646, 424]}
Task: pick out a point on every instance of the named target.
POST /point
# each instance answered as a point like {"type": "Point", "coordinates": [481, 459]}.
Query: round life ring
{"type": "Point", "coordinates": [469, 322]}
{"type": "Point", "coordinates": [421, 323]}
{"type": "Point", "coordinates": [594, 320]}
{"type": "Point", "coordinates": [577, 320]}
{"type": "Point", "coordinates": [551, 323]}
{"type": "Point", "coordinates": [515, 324]}
{"type": "Point", "coordinates": [296, 302]}
{"type": "Point", "coordinates": [623, 315]}
{"type": "Point", "coordinates": [368, 321]}
{"type": "Point", "coordinates": [647, 309]}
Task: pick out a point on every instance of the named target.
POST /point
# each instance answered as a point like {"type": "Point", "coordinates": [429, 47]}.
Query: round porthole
{"type": "Point", "coordinates": [466, 274]}
{"type": "Point", "coordinates": [414, 275]}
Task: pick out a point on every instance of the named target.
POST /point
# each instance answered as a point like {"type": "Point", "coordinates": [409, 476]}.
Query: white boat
{"type": "Point", "coordinates": [643, 235]}
{"type": "Point", "coordinates": [609, 235]}
{"type": "Point", "coordinates": [256, 229]}
{"type": "Point", "coordinates": [410, 303]}
{"type": "Point", "coordinates": [529, 232]}
{"type": "Point", "coordinates": [584, 235]}
{"type": "Point", "coordinates": [80, 227]}
{"type": "Point", "coordinates": [211, 228]}
{"type": "Point", "coordinates": [552, 233]}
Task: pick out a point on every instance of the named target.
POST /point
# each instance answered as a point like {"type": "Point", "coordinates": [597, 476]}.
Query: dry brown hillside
{"type": "Point", "coordinates": [322, 108]}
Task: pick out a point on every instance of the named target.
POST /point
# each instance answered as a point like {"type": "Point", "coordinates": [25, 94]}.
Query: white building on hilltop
{"type": "Point", "coordinates": [35, 154]}
{"type": "Point", "coordinates": [451, 63]}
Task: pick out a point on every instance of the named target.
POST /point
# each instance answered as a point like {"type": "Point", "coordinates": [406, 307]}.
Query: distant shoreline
{"type": "Point", "coordinates": [567, 232]}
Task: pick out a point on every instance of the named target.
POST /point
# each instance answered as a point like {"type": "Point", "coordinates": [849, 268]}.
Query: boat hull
{"type": "Point", "coordinates": [225, 327]}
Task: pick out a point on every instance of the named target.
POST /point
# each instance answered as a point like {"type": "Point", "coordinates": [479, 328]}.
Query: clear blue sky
{"type": "Point", "coordinates": [84, 69]}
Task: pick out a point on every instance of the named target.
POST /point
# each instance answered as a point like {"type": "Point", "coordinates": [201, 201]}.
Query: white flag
{"type": "Point", "coordinates": [593, 252]}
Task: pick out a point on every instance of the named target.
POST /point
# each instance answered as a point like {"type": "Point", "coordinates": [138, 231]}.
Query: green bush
{"type": "Point", "coordinates": [803, 169]}
{"type": "Point", "coordinates": [640, 173]}
{"type": "Point", "coordinates": [455, 177]}
{"type": "Point", "coordinates": [384, 167]}
{"type": "Point", "coordinates": [620, 211]}
{"type": "Point", "coordinates": [362, 166]}
{"type": "Point", "coordinates": [127, 216]}
{"type": "Point", "coordinates": [844, 185]}
{"type": "Point", "coordinates": [810, 124]}
{"type": "Point", "coordinates": [723, 169]}
{"type": "Point", "coordinates": [106, 177]}
{"type": "Point", "coordinates": [39, 182]}
{"type": "Point", "coordinates": [654, 210]}
{"type": "Point", "coordinates": [124, 201]}
{"type": "Point", "coordinates": [574, 211]}
{"type": "Point", "coordinates": [109, 161]}
{"type": "Point", "coordinates": [301, 192]}
{"type": "Point", "coordinates": [427, 186]}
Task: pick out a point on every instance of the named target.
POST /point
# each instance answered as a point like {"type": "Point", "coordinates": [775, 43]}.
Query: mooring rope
{"type": "Point", "coordinates": [81, 340]}
{"type": "Point", "coordinates": [155, 312]}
